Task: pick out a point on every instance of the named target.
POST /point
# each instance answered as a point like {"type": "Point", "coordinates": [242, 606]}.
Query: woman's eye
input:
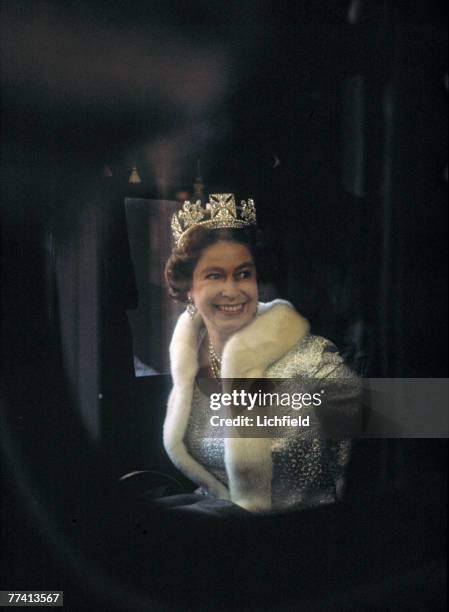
{"type": "Point", "coordinates": [213, 276]}
{"type": "Point", "coordinates": [244, 274]}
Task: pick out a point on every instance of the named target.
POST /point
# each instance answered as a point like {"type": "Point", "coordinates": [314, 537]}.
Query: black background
{"type": "Point", "coordinates": [160, 84]}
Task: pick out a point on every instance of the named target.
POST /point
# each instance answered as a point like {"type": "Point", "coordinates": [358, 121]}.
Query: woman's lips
{"type": "Point", "coordinates": [230, 308]}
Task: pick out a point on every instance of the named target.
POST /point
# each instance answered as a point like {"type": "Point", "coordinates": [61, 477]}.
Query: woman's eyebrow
{"type": "Point", "coordinates": [246, 264]}
{"type": "Point", "coordinates": [212, 269]}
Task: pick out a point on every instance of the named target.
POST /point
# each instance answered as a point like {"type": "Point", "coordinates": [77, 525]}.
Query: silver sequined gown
{"type": "Point", "coordinates": [308, 468]}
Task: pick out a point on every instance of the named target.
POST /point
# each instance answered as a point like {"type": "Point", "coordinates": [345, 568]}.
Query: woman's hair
{"type": "Point", "coordinates": [182, 262]}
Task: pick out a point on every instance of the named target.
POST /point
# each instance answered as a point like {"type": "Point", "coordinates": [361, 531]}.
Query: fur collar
{"type": "Point", "coordinates": [248, 354]}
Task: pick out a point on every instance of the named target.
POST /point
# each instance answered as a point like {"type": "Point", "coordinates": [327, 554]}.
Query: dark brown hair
{"type": "Point", "coordinates": [182, 262]}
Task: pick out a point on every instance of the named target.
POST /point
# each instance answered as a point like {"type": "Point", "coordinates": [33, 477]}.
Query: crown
{"type": "Point", "coordinates": [220, 212]}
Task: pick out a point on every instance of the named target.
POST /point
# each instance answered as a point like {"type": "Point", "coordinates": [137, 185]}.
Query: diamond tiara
{"type": "Point", "coordinates": [221, 212]}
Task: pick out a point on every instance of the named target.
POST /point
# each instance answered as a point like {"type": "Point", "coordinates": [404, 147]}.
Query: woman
{"type": "Point", "coordinates": [227, 334]}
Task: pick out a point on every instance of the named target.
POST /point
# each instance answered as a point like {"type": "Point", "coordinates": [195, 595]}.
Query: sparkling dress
{"type": "Point", "coordinates": [308, 467]}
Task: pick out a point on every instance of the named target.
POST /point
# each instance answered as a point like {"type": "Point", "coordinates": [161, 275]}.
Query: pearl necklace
{"type": "Point", "coordinates": [215, 361]}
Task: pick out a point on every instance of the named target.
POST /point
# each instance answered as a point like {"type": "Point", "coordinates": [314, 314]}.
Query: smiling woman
{"type": "Point", "coordinates": [227, 334]}
{"type": "Point", "coordinates": [215, 274]}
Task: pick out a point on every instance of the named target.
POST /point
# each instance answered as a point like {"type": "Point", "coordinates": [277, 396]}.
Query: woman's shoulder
{"type": "Point", "coordinates": [311, 356]}
{"type": "Point", "coordinates": [304, 352]}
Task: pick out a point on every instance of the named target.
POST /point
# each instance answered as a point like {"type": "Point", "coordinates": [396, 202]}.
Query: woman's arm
{"type": "Point", "coordinates": [176, 450]}
{"type": "Point", "coordinates": [340, 389]}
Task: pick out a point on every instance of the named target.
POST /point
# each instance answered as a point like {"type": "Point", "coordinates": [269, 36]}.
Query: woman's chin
{"type": "Point", "coordinates": [231, 325]}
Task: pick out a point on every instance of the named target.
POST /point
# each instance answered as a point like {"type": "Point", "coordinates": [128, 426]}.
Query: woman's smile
{"type": "Point", "coordinates": [231, 308]}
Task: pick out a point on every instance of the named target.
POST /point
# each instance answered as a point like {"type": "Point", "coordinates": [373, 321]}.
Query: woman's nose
{"type": "Point", "coordinates": [230, 289]}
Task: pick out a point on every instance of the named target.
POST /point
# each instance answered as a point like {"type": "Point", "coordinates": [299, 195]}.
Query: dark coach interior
{"type": "Point", "coordinates": [333, 117]}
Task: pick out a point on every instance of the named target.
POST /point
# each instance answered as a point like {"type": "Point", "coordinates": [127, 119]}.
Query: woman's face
{"type": "Point", "coordinates": [224, 287]}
